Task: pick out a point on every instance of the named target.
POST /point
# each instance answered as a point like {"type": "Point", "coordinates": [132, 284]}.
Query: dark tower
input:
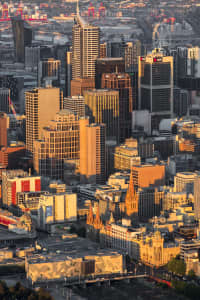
{"type": "Point", "coordinates": [22, 34]}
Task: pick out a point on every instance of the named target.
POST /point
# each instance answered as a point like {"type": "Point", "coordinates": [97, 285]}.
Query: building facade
{"type": "Point", "coordinates": [76, 104]}
{"type": "Point", "coordinates": [184, 182]}
{"type": "Point", "coordinates": [154, 252]}
{"type": "Point", "coordinates": [155, 86]}
{"type": "Point", "coordinates": [79, 85]}
{"type": "Point", "coordinates": [5, 100]}
{"type": "Point", "coordinates": [15, 181]}
{"type": "Point", "coordinates": [102, 106]}
{"type": "Point", "coordinates": [49, 70]}
{"type": "Point", "coordinates": [126, 155]}
{"type": "Point", "coordinates": [92, 152]}
{"type": "Point", "coordinates": [85, 48]}
{"type": "Point", "coordinates": [61, 142]}
{"type": "Point", "coordinates": [108, 65]}
{"type": "Point", "coordinates": [122, 83]}
{"type": "Point", "coordinates": [41, 106]}
{"type": "Point", "coordinates": [56, 208]}
{"type": "Point", "coordinates": [148, 175]}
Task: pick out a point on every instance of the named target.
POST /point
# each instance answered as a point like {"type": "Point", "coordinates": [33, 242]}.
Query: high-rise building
{"type": "Point", "coordinates": [22, 34]}
{"type": "Point", "coordinates": [132, 52]}
{"type": "Point", "coordinates": [122, 83]}
{"type": "Point", "coordinates": [148, 175]}
{"type": "Point", "coordinates": [92, 153]}
{"type": "Point", "coordinates": [79, 85]}
{"type": "Point", "coordinates": [108, 65]}
{"type": "Point", "coordinates": [49, 71]}
{"type": "Point", "coordinates": [15, 84]}
{"type": "Point", "coordinates": [15, 181]}
{"type": "Point", "coordinates": [155, 86]}
{"type": "Point", "coordinates": [32, 57]}
{"type": "Point", "coordinates": [186, 67]}
{"type": "Point", "coordinates": [76, 104]}
{"type": "Point", "coordinates": [181, 102]}
{"type": "Point", "coordinates": [4, 100]}
{"type": "Point", "coordinates": [41, 106]}
{"type": "Point", "coordinates": [68, 73]}
{"type": "Point", "coordinates": [116, 47]}
{"type": "Point", "coordinates": [85, 48]}
{"type": "Point", "coordinates": [184, 182]}
{"type": "Point", "coordinates": [126, 155]}
{"type": "Point", "coordinates": [3, 129]}
{"type": "Point", "coordinates": [102, 106]}
{"type": "Point", "coordinates": [60, 142]}
{"type": "Point", "coordinates": [197, 197]}
{"type": "Point", "coordinates": [103, 50]}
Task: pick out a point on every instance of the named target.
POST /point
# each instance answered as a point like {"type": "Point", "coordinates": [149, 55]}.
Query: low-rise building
{"type": "Point", "coordinates": [122, 236]}
{"type": "Point", "coordinates": [72, 257]}
{"type": "Point", "coordinates": [155, 252]}
{"type": "Point", "coordinates": [56, 208]}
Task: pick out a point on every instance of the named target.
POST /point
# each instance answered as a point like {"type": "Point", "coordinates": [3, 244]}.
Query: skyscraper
{"type": "Point", "coordinates": [132, 52]}
{"type": "Point", "coordinates": [32, 57]}
{"type": "Point", "coordinates": [68, 73]}
{"type": "Point", "coordinates": [197, 197]}
{"type": "Point", "coordinates": [92, 153]}
{"type": "Point", "coordinates": [79, 85]}
{"type": "Point", "coordinates": [4, 100]}
{"type": "Point", "coordinates": [122, 83]}
{"type": "Point", "coordinates": [22, 34]}
{"type": "Point", "coordinates": [49, 70]}
{"type": "Point", "coordinates": [76, 104]}
{"type": "Point", "coordinates": [60, 141]}
{"type": "Point", "coordinates": [41, 106]}
{"type": "Point", "coordinates": [85, 48]}
{"type": "Point", "coordinates": [103, 107]}
{"type": "Point", "coordinates": [108, 65]}
{"type": "Point", "coordinates": [155, 86]}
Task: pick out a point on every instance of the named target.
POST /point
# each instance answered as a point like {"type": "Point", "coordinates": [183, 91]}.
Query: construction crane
{"type": "Point", "coordinates": [12, 107]}
{"type": "Point", "coordinates": [102, 10]}
{"type": "Point", "coordinates": [91, 10]}
{"type": "Point", "coordinates": [5, 14]}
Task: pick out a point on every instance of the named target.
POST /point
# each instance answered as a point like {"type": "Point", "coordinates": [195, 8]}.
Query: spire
{"type": "Point", "coordinates": [90, 217]}
{"type": "Point", "coordinates": [97, 221]}
{"type": "Point", "coordinates": [77, 8]}
{"type": "Point", "coordinates": [131, 200]}
{"type": "Point", "coordinates": [111, 220]}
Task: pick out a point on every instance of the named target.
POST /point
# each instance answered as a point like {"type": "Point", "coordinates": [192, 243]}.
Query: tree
{"type": "Point", "coordinates": [179, 286]}
{"type": "Point", "coordinates": [44, 295]}
{"type": "Point", "coordinates": [176, 266]}
{"type": "Point", "coordinates": [191, 274]}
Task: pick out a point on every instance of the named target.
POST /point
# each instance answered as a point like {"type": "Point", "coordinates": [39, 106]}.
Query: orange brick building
{"type": "Point", "coordinates": [148, 175]}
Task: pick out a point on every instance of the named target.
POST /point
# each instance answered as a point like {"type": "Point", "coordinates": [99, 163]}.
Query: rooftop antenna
{"type": "Point", "coordinates": [77, 8]}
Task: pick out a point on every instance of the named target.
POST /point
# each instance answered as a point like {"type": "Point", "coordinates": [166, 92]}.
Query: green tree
{"type": "Point", "coordinates": [176, 266]}
{"type": "Point", "coordinates": [191, 274]}
{"type": "Point", "coordinates": [179, 286]}
{"type": "Point", "coordinates": [44, 295]}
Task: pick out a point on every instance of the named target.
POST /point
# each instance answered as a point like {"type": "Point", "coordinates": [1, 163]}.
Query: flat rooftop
{"type": "Point", "coordinates": [67, 249]}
